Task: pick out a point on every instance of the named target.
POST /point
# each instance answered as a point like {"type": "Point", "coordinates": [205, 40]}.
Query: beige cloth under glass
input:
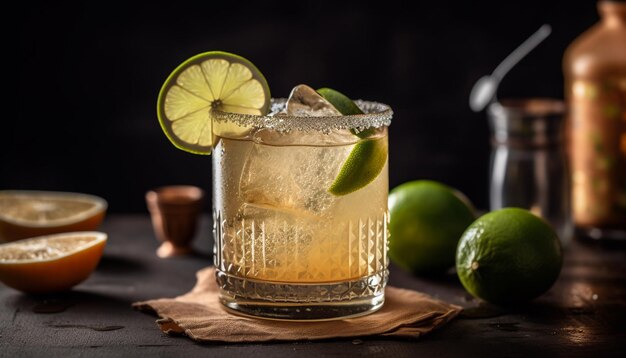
{"type": "Point", "coordinates": [199, 315]}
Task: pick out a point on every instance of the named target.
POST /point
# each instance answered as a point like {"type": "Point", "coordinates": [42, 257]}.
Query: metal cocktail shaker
{"type": "Point", "coordinates": [528, 161]}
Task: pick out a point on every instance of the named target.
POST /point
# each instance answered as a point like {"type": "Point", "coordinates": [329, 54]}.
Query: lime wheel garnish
{"type": "Point", "coordinates": [210, 80]}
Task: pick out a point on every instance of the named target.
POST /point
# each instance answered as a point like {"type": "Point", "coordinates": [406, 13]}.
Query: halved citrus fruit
{"type": "Point", "coordinates": [50, 263]}
{"type": "Point", "coordinates": [26, 214]}
{"type": "Point", "coordinates": [210, 80]}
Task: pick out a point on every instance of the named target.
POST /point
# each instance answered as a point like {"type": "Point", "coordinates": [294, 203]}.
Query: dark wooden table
{"type": "Point", "coordinates": [584, 314]}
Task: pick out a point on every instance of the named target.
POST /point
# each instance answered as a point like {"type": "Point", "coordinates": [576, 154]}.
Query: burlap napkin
{"type": "Point", "coordinates": [200, 316]}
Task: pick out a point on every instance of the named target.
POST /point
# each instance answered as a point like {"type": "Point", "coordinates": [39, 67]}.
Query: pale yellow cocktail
{"type": "Point", "coordinates": [282, 238]}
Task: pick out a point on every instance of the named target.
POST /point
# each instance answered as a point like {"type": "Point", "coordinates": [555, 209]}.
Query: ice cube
{"type": "Point", "coordinates": [305, 102]}
{"type": "Point", "coordinates": [291, 178]}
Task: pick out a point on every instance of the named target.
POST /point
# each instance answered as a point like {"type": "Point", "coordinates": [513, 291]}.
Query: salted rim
{"type": "Point", "coordinates": [376, 115]}
{"type": "Point", "coordinates": [97, 235]}
{"type": "Point", "coordinates": [100, 206]}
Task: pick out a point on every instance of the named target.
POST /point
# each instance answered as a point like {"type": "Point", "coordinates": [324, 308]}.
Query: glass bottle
{"type": "Point", "coordinates": [594, 66]}
{"type": "Point", "coordinates": [528, 161]}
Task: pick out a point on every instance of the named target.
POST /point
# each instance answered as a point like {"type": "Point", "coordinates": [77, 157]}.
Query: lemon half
{"type": "Point", "coordinates": [51, 263]}
{"type": "Point", "coordinates": [26, 214]}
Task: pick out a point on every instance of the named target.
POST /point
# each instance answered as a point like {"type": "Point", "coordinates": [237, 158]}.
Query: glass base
{"type": "Point", "coordinates": [303, 301]}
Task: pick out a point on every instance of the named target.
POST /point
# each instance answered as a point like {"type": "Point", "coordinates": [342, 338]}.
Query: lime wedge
{"type": "Point", "coordinates": [365, 162]}
{"type": "Point", "coordinates": [210, 80]}
{"type": "Point", "coordinates": [368, 157]}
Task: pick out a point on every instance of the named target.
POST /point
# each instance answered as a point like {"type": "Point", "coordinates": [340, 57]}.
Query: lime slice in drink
{"type": "Point", "coordinates": [210, 80]}
{"type": "Point", "coordinates": [365, 162]}
{"type": "Point", "coordinates": [368, 157]}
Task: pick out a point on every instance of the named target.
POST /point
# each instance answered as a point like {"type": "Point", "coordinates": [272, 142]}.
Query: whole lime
{"type": "Point", "coordinates": [427, 219]}
{"type": "Point", "coordinates": [508, 256]}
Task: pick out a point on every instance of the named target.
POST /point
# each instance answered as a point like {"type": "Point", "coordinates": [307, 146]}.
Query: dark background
{"type": "Point", "coordinates": [88, 77]}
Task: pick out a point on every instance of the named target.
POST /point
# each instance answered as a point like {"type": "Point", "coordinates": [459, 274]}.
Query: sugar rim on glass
{"type": "Point", "coordinates": [376, 115]}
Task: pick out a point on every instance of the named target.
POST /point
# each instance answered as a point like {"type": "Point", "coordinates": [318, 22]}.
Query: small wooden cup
{"type": "Point", "coordinates": [174, 211]}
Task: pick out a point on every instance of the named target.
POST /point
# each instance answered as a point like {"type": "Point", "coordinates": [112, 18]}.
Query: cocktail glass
{"type": "Point", "coordinates": [285, 247]}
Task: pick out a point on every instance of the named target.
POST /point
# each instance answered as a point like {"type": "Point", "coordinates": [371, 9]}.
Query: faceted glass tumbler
{"type": "Point", "coordinates": [285, 246]}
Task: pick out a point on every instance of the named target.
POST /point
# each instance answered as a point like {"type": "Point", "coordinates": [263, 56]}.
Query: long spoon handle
{"type": "Point", "coordinates": [521, 51]}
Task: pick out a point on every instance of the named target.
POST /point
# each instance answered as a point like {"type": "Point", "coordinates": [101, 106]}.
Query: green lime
{"type": "Point", "coordinates": [427, 219]}
{"type": "Point", "coordinates": [508, 256]}
{"type": "Point", "coordinates": [214, 79]}
{"type": "Point", "coordinates": [368, 157]}
{"type": "Point", "coordinates": [366, 160]}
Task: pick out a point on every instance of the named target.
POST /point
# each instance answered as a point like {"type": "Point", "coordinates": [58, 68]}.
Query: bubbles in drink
{"type": "Point", "coordinates": [291, 178]}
